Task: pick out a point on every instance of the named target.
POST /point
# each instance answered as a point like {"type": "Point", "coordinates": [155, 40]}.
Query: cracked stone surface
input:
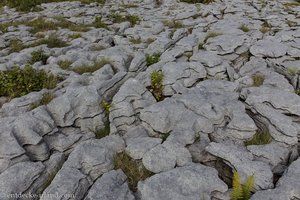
{"type": "Point", "coordinates": [230, 70]}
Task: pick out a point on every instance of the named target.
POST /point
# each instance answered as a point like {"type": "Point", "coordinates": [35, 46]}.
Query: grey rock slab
{"type": "Point", "coordinates": [77, 102]}
{"type": "Point", "coordinates": [274, 153]}
{"type": "Point", "coordinates": [287, 187]}
{"type": "Point", "coordinates": [164, 157]}
{"type": "Point", "coordinates": [268, 48]}
{"type": "Point", "coordinates": [110, 186]}
{"type": "Point", "coordinates": [189, 182]}
{"type": "Point", "coordinates": [137, 147]}
{"type": "Point", "coordinates": [85, 164]}
{"type": "Point", "coordinates": [283, 101]}
{"type": "Point", "coordinates": [242, 160]}
{"type": "Point", "coordinates": [19, 177]}
{"type": "Point", "coordinates": [225, 44]}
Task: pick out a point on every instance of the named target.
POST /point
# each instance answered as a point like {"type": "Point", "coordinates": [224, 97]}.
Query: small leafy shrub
{"type": "Point", "coordinates": [134, 169]}
{"type": "Point", "coordinates": [260, 138]}
{"type": "Point", "coordinates": [18, 82]}
{"type": "Point", "coordinates": [46, 98]}
{"type": "Point", "coordinates": [91, 68]}
{"type": "Point", "coordinates": [198, 1]}
{"type": "Point", "coordinates": [65, 64]}
{"type": "Point", "coordinates": [152, 59]}
{"type": "Point", "coordinates": [102, 132]}
{"type": "Point", "coordinates": [241, 191]}
{"type": "Point", "coordinates": [258, 79]}
{"type": "Point", "coordinates": [157, 78]}
{"type": "Point", "coordinates": [38, 56]}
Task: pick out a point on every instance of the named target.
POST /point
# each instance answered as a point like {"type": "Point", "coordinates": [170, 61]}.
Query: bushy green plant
{"type": "Point", "coordinates": [117, 18]}
{"type": "Point", "coordinates": [16, 46]}
{"type": "Point", "coordinates": [244, 28]}
{"type": "Point", "coordinates": [134, 169]}
{"type": "Point", "coordinates": [98, 23]}
{"type": "Point", "coordinates": [241, 191]}
{"type": "Point", "coordinates": [18, 82]}
{"type": "Point", "coordinates": [157, 78]}
{"type": "Point", "coordinates": [37, 56]}
{"type": "Point", "coordinates": [152, 59]}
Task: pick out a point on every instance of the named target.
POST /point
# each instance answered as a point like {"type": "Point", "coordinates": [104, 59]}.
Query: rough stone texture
{"type": "Point", "coordinates": [189, 182]}
{"type": "Point", "coordinates": [110, 186]}
{"type": "Point", "coordinates": [210, 55]}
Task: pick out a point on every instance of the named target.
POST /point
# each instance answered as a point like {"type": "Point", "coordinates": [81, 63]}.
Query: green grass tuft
{"type": "Point", "coordinates": [134, 169]}
{"type": "Point", "coordinates": [260, 138]}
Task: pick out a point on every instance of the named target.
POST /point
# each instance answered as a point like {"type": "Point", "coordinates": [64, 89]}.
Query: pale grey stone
{"type": "Point", "coordinates": [110, 186]}
{"type": "Point", "coordinates": [189, 182]}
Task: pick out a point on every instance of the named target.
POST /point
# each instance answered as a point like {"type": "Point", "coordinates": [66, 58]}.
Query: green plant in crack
{"type": "Point", "coordinates": [133, 169]}
{"type": "Point", "coordinates": [46, 99]}
{"type": "Point", "coordinates": [152, 59]}
{"type": "Point", "coordinates": [241, 191]}
{"type": "Point", "coordinates": [107, 106]}
{"type": "Point", "coordinates": [157, 78]}
{"type": "Point", "coordinates": [91, 68]}
{"type": "Point", "coordinates": [198, 1]}
{"type": "Point", "coordinates": [244, 28]}
{"type": "Point", "coordinates": [260, 138]}
{"type": "Point", "coordinates": [293, 71]}
{"type": "Point", "coordinates": [101, 133]}
{"type": "Point", "coordinates": [209, 35]}
{"type": "Point", "coordinates": [258, 79]}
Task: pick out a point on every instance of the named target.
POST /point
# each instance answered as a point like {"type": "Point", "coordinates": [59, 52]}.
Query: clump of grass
{"type": "Point", "coordinates": [172, 24]}
{"type": "Point", "coordinates": [265, 27]}
{"type": "Point", "coordinates": [297, 92]}
{"type": "Point", "coordinates": [117, 18]}
{"type": "Point", "coordinates": [152, 59]}
{"type": "Point", "coordinates": [130, 5]}
{"type": "Point", "coordinates": [52, 41]}
{"type": "Point", "coordinates": [91, 68]}
{"type": "Point", "coordinates": [135, 40]}
{"type": "Point", "coordinates": [18, 82]}
{"type": "Point", "coordinates": [133, 169]}
{"type": "Point", "coordinates": [98, 23]}
{"type": "Point", "coordinates": [46, 99]}
{"type": "Point", "coordinates": [16, 46]}
{"type": "Point", "coordinates": [198, 1]}
{"type": "Point", "coordinates": [242, 191]}
{"type": "Point", "coordinates": [75, 36]}
{"type": "Point", "coordinates": [260, 138]}
{"type": "Point", "coordinates": [107, 106]}
{"type": "Point", "coordinates": [293, 71]}
{"type": "Point", "coordinates": [38, 56]}
{"type": "Point", "coordinates": [157, 78]}
{"type": "Point", "coordinates": [103, 132]}
{"type": "Point", "coordinates": [65, 64]}
{"type": "Point", "coordinates": [258, 79]}
{"type": "Point", "coordinates": [150, 40]}
{"type": "Point", "coordinates": [209, 35]}
{"type": "Point", "coordinates": [244, 28]}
